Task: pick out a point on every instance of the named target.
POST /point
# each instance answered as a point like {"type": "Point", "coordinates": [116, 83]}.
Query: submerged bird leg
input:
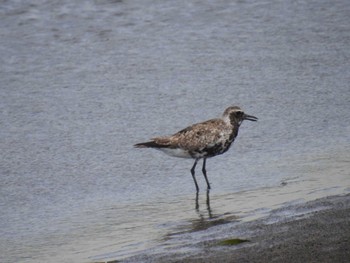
{"type": "Point", "coordinates": [192, 172]}
{"type": "Point", "coordinates": [205, 172]}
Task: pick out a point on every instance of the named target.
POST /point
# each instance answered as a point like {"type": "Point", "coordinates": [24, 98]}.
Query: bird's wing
{"type": "Point", "coordinates": [200, 135]}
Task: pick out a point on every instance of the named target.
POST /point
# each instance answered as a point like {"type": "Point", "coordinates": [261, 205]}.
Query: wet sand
{"type": "Point", "coordinates": [316, 231]}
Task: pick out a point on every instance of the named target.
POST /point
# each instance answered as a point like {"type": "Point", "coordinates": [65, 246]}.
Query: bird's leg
{"type": "Point", "coordinates": [205, 172]}
{"type": "Point", "coordinates": [192, 172]}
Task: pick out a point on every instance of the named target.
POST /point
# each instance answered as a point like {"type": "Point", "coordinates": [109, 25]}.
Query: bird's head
{"type": "Point", "coordinates": [235, 115]}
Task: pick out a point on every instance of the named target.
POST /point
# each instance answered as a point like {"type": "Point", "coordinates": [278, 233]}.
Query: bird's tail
{"type": "Point", "coordinates": [158, 143]}
{"type": "Point", "coordinates": [150, 144]}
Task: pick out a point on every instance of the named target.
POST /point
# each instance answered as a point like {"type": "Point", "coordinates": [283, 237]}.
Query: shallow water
{"type": "Point", "coordinates": [82, 81]}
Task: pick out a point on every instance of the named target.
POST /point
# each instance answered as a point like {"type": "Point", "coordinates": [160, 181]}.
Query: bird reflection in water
{"type": "Point", "coordinates": [208, 205]}
{"type": "Point", "coordinates": [204, 220]}
{"type": "Point", "coordinates": [207, 218]}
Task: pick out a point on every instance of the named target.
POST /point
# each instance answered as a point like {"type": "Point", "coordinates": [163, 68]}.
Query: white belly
{"type": "Point", "coordinates": [175, 152]}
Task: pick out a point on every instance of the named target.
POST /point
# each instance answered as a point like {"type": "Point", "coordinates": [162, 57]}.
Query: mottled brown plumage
{"type": "Point", "coordinates": [202, 140]}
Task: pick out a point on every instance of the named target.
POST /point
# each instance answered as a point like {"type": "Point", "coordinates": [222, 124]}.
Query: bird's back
{"type": "Point", "coordinates": [205, 139]}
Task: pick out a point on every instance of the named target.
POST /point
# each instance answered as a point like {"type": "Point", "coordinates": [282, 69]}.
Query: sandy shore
{"type": "Point", "coordinates": [317, 231]}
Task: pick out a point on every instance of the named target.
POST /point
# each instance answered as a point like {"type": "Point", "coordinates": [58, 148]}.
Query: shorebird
{"type": "Point", "coordinates": [202, 140]}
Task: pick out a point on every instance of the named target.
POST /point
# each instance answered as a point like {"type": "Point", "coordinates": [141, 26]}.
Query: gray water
{"type": "Point", "coordinates": [82, 81]}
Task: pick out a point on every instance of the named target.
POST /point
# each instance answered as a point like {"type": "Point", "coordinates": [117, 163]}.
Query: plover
{"type": "Point", "coordinates": [202, 140]}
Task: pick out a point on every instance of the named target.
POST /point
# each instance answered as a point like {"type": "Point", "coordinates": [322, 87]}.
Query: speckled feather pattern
{"type": "Point", "coordinates": [204, 139]}
{"type": "Point", "coordinates": [207, 138]}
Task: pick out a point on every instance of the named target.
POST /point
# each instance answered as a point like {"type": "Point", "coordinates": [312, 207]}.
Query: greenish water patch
{"type": "Point", "coordinates": [232, 242]}
{"type": "Point", "coordinates": [109, 261]}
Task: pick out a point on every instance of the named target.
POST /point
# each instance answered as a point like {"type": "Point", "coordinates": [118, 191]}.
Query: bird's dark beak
{"type": "Point", "coordinates": [250, 117]}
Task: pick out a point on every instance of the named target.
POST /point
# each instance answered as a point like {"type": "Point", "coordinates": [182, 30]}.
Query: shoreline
{"type": "Point", "coordinates": [315, 231]}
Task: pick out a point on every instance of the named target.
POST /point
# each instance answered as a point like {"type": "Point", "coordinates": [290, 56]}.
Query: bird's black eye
{"type": "Point", "coordinates": [240, 113]}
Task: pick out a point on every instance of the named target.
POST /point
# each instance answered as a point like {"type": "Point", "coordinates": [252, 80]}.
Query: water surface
{"type": "Point", "coordinates": [83, 81]}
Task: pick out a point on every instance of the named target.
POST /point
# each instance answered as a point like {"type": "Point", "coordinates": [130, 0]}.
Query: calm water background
{"type": "Point", "coordinates": [82, 81]}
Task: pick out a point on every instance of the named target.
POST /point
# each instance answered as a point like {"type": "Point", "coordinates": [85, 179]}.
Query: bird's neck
{"type": "Point", "coordinates": [235, 128]}
{"type": "Point", "coordinates": [232, 121]}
